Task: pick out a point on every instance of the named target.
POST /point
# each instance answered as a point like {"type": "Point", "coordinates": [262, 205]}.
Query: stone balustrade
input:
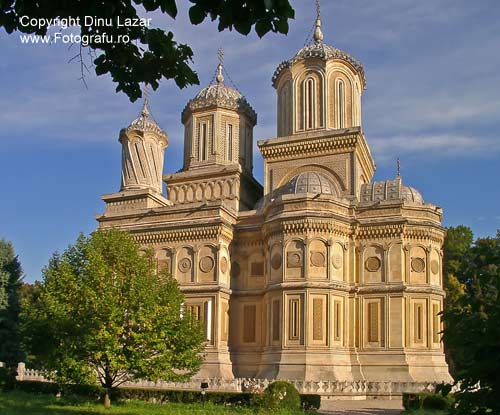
{"type": "Point", "coordinates": [327, 389]}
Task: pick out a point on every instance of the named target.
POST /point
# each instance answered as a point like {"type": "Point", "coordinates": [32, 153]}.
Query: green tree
{"type": "Point", "coordinates": [104, 315]}
{"type": "Point", "coordinates": [152, 53]}
{"type": "Point", "coordinates": [11, 275]}
{"type": "Point", "coordinates": [473, 329]}
{"type": "Point", "coordinates": [457, 243]}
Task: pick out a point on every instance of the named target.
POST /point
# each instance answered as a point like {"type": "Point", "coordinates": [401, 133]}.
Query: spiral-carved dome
{"type": "Point", "coordinates": [309, 182]}
{"type": "Point", "coordinates": [145, 123]}
{"type": "Point", "coordinates": [389, 190]}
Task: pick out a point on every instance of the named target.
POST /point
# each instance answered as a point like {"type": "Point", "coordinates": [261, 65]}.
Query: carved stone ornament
{"type": "Point", "coordinates": [418, 264]}
{"type": "Point", "coordinates": [337, 261]}
{"type": "Point", "coordinates": [207, 264]}
{"type": "Point", "coordinates": [317, 259]}
{"type": "Point", "coordinates": [435, 266]}
{"type": "Point", "coordinates": [294, 259]}
{"type": "Point", "coordinates": [235, 270]}
{"type": "Point", "coordinates": [373, 264]}
{"type": "Point", "coordinates": [184, 265]}
{"type": "Point", "coordinates": [276, 261]}
{"type": "Point", "coordinates": [223, 265]}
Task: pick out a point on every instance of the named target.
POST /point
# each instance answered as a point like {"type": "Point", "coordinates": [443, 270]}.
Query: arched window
{"type": "Point", "coordinates": [340, 104]}
{"type": "Point", "coordinates": [309, 101]}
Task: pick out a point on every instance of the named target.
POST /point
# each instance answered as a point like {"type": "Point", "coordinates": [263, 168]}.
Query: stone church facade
{"type": "Point", "coordinates": [319, 274]}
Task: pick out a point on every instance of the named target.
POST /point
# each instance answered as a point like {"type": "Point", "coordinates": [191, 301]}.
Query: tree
{"type": "Point", "coordinates": [104, 315]}
{"type": "Point", "coordinates": [11, 276]}
{"type": "Point", "coordinates": [457, 243]}
{"type": "Point", "coordinates": [150, 54]}
{"type": "Point", "coordinates": [473, 329]}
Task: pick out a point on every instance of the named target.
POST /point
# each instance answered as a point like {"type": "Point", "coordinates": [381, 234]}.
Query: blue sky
{"type": "Point", "coordinates": [433, 99]}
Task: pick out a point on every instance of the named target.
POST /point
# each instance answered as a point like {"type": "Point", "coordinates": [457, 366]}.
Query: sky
{"type": "Point", "coordinates": [432, 99]}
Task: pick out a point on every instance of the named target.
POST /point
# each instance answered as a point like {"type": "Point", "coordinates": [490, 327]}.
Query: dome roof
{"type": "Point", "coordinates": [318, 50]}
{"type": "Point", "coordinates": [411, 194]}
{"type": "Point", "coordinates": [309, 182]}
{"type": "Point", "coordinates": [389, 190]}
{"type": "Point", "coordinates": [219, 95]}
{"type": "Point", "coordinates": [145, 123]}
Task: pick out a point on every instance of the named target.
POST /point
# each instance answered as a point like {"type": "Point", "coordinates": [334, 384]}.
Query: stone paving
{"type": "Point", "coordinates": [365, 407]}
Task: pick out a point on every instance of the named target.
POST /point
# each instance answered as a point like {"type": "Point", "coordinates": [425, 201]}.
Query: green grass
{"type": "Point", "coordinates": [21, 403]}
{"type": "Point", "coordinates": [423, 412]}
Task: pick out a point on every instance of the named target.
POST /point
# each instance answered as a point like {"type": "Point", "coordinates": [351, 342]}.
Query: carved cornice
{"type": "Point", "coordinates": [382, 231]}
{"type": "Point", "coordinates": [307, 146]}
{"type": "Point", "coordinates": [197, 233]}
{"type": "Point", "coordinates": [303, 226]}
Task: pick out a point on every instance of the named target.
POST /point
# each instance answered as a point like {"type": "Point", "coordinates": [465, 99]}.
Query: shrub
{"type": "Point", "coordinates": [435, 401]}
{"type": "Point", "coordinates": [310, 402]}
{"type": "Point", "coordinates": [7, 378]}
{"type": "Point", "coordinates": [411, 401]}
{"type": "Point", "coordinates": [280, 395]}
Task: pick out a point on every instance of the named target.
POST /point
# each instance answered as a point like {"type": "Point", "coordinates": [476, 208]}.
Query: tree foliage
{"type": "Point", "coordinates": [473, 329]}
{"type": "Point", "coordinates": [11, 275]}
{"type": "Point", "coordinates": [152, 53]}
{"type": "Point", "coordinates": [104, 315]}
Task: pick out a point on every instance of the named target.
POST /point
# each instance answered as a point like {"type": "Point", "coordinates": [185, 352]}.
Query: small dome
{"type": "Point", "coordinates": [320, 51]}
{"type": "Point", "coordinates": [219, 95]}
{"type": "Point", "coordinates": [309, 182]}
{"type": "Point", "coordinates": [389, 190]}
{"type": "Point", "coordinates": [411, 194]}
{"type": "Point", "coordinates": [146, 123]}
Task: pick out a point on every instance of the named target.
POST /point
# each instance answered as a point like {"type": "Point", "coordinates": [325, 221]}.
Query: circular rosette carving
{"type": "Point", "coordinates": [207, 264]}
{"type": "Point", "coordinates": [276, 261]}
{"type": "Point", "coordinates": [435, 266]}
{"type": "Point", "coordinates": [223, 265]}
{"type": "Point", "coordinates": [418, 264]}
{"type": "Point", "coordinates": [184, 265]}
{"type": "Point", "coordinates": [317, 259]}
{"type": "Point", "coordinates": [294, 259]}
{"type": "Point", "coordinates": [235, 270]}
{"type": "Point", "coordinates": [373, 264]}
{"type": "Point", "coordinates": [337, 261]}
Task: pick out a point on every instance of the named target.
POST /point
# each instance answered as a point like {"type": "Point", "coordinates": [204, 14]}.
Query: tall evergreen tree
{"type": "Point", "coordinates": [11, 275]}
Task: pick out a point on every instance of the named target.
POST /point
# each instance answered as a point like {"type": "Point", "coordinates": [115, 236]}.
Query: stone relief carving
{"type": "Point", "coordinates": [184, 265]}
{"type": "Point", "coordinates": [373, 264]}
{"type": "Point", "coordinates": [223, 265]}
{"type": "Point", "coordinates": [317, 259]}
{"type": "Point", "coordinates": [276, 261]}
{"type": "Point", "coordinates": [207, 264]}
{"type": "Point", "coordinates": [434, 266]}
{"type": "Point", "coordinates": [418, 264]}
{"type": "Point", "coordinates": [337, 261]}
{"type": "Point", "coordinates": [294, 259]}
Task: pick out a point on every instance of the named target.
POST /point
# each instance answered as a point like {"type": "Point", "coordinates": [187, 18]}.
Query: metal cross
{"type": "Point", "coordinates": [145, 91]}
{"type": "Point", "coordinates": [220, 54]}
{"type": "Point", "coordinates": [318, 9]}
{"type": "Point", "coordinates": [399, 168]}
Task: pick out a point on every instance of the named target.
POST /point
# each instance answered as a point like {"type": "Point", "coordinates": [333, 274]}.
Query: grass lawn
{"type": "Point", "coordinates": [21, 403]}
{"type": "Point", "coordinates": [423, 412]}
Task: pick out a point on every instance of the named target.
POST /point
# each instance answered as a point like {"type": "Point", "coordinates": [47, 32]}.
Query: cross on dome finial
{"type": "Point", "coordinates": [399, 168]}
{"type": "Point", "coordinates": [145, 109]}
{"type": "Point", "coordinates": [220, 77]}
{"type": "Point", "coordinates": [318, 34]}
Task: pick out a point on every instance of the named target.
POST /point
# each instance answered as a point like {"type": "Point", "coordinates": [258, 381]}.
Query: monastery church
{"type": "Point", "coordinates": [318, 274]}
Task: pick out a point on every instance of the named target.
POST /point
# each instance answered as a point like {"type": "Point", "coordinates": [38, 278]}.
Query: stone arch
{"type": "Point", "coordinates": [310, 99]}
{"type": "Point", "coordinates": [294, 258]}
{"type": "Point", "coordinates": [335, 78]}
{"type": "Point", "coordinates": [185, 264]}
{"type": "Point", "coordinates": [318, 258]}
{"type": "Point", "coordinates": [373, 263]}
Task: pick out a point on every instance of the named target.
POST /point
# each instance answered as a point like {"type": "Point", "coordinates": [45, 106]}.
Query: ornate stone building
{"type": "Point", "coordinates": [320, 274]}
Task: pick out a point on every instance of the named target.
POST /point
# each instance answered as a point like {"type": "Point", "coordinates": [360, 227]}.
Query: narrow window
{"type": "Point", "coordinates": [341, 104]}
{"type": "Point", "coordinates": [373, 319]}
{"type": "Point", "coordinates": [435, 324]}
{"type": "Point", "coordinates": [418, 323]}
{"type": "Point", "coordinates": [294, 319]}
{"type": "Point", "coordinates": [276, 320]}
{"type": "Point", "coordinates": [204, 142]}
{"type": "Point", "coordinates": [229, 144]}
{"type": "Point", "coordinates": [337, 317]}
{"type": "Point", "coordinates": [249, 314]}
